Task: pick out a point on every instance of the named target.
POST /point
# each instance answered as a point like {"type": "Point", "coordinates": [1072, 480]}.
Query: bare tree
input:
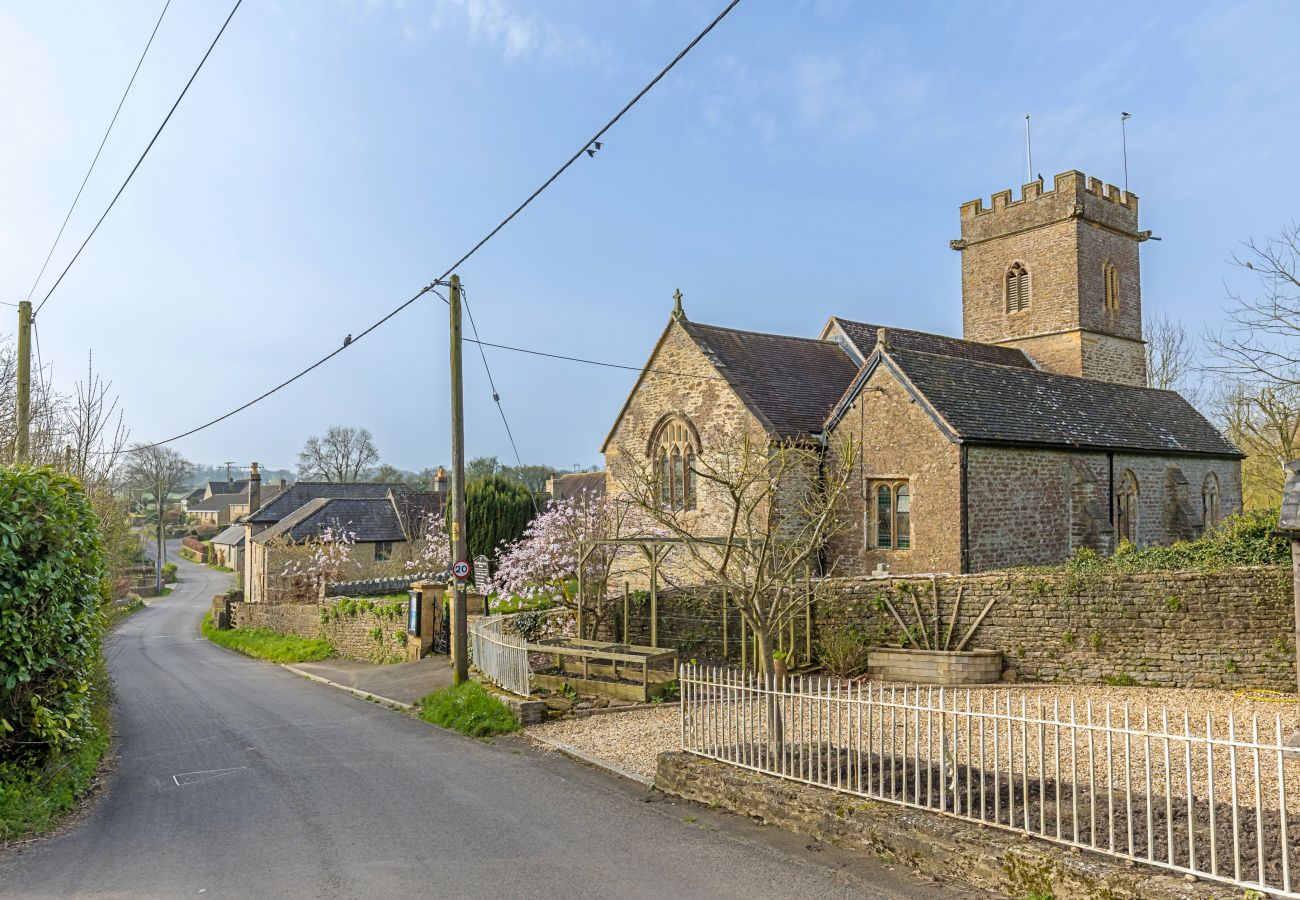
{"type": "Point", "coordinates": [772, 505]}
{"type": "Point", "coordinates": [1263, 420]}
{"type": "Point", "coordinates": [1263, 339]}
{"type": "Point", "coordinates": [341, 455]}
{"type": "Point", "coordinates": [1173, 358]}
{"type": "Point", "coordinates": [158, 472]}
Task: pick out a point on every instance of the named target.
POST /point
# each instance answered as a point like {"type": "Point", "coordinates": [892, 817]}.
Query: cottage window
{"type": "Point", "coordinates": [1017, 288]}
{"type": "Point", "coordinates": [1110, 275]}
{"type": "Point", "coordinates": [1126, 507]}
{"type": "Point", "coordinates": [383, 550]}
{"type": "Point", "coordinates": [893, 515]}
{"type": "Point", "coordinates": [675, 447]}
{"type": "Point", "coordinates": [1210, 501]}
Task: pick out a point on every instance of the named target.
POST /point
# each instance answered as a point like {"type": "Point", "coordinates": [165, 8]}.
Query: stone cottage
{"type": "Point", "coordinates": [1031, 437]}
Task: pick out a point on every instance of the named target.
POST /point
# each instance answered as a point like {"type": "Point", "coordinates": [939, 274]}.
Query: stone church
{"type": "Point", "coordinates": [1031, 437]}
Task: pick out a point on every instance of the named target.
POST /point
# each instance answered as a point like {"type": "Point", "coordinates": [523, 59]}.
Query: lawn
{"type": "Point", "coordinates": [469, 709]}
{"type": "Point", "coordinates": [265, 644]}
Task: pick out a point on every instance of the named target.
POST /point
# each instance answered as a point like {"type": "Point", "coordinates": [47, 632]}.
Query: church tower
{"type": "Point", "coordinates": [1056, 275]}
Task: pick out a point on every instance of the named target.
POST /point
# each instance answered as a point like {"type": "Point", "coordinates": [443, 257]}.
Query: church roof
{"type": "Point", "coordinates": [863, 338]}
{"type": "Point", "coordinates": [980, 402]}
{"type": "Point", "coordinates": [791, 382]}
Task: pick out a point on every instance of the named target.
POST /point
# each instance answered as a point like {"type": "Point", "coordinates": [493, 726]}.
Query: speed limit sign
{"type": "Point", "coordinates": [460, 569]}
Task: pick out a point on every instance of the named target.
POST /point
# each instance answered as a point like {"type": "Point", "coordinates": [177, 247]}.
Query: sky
{"type": "Point", "coordinates": [807, 159]}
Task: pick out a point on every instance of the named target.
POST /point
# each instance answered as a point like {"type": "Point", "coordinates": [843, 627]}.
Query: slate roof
{"type": "Point", "coordinates": [217, 502]}
{"type": "Point", "coordinates": [863, 338]}
{"type": "Point", "coordinates": [986, 403]}
{"type": "Point", "coordinates": [793, 382]}
{"type": "Point", "coordinates": [231, 537]}
{"type": "Point", "coordinates": [369, 520]}
{"type": "Point", "coordinates": [195, 495]}
{"type": "Point", "coordinates": [1290, 518]}
{"type": "Point", "coordinates": [575, 484]}
{"type": "Point", "coordinates": [239, 486]}
{"type": "Point", "coordinates": [299, 493]}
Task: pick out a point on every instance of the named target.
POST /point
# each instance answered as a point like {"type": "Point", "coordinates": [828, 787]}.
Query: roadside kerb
{"type": "Point", "coordinates": [586, 758]}
{"type": "Point", "coordinates": [365, 695]}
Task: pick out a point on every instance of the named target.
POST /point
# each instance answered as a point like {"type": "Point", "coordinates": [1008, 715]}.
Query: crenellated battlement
{"type": "Point", "coordinates": [1070, 187]}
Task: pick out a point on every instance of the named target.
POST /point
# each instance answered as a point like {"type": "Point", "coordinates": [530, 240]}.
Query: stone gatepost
{"type": "Point", "coordinates": [431, 597]}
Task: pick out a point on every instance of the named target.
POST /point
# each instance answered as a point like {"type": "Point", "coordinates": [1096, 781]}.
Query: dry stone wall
{"type": "Point", "coordinates": [1228, 629]}
{"type": "Point", "coordinates": [368, 630]}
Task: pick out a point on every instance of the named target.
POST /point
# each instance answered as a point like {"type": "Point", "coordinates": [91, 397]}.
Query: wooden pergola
{"type": "Point", "coordinates": [654, 549]}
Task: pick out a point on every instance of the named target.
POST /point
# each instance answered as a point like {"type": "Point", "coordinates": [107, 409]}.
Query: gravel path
{"type": "Point", "coordinates": [633, 740]}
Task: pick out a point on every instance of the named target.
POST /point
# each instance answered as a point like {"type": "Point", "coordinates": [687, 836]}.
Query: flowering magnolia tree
{"type": "Point", "coordinates": [431, 551]}
{"type": "Point", "coordinates": [543, 564]}
{"type": "Point", "coordinates": [307, 567]}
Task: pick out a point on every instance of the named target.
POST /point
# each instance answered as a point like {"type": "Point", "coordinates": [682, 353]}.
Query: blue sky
{"type": "Point", "coordinates": [806, 160]}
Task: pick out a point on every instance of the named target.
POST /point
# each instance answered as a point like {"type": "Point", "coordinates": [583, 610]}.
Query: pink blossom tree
{"type": "Point", "coordinates": [543, 563]}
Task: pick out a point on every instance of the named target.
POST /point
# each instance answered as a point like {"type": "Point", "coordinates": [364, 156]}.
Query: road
{"type": "Point", "coordinates": [237, 778]}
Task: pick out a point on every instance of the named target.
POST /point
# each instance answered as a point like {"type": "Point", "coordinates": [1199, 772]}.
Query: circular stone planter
{"type": "Point", "coordinates": [935, 666]}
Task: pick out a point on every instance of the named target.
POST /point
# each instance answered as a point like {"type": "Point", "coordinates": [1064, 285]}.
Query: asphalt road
{"type": "Point", "coordinates": [237, 778]}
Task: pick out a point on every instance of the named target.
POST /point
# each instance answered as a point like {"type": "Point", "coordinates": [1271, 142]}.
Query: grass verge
{"type": "Point", "coordinates": [33, 801]}
{"type": "Point", "coordinates": [265, 644]}
{"type": "Point", "coordinates": [468, 709]}
{"type": "Point", "coordinates": [124, 610]}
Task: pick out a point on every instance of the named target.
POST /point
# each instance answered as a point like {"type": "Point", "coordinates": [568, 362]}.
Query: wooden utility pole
{"type": "Point", "coordinates": [459, 553]}
{"type": "Point", "coordinates": [23, 406]}
{"type": "Point", "coordinates": [162, 544]}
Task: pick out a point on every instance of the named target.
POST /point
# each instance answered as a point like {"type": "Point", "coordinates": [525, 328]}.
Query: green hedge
{"type": "Point", "coordinates": [1246, 539]}
{"type": "Point", "coordinates": [497, 510]}
{"type": "Point", "coordinates": [52, 586]}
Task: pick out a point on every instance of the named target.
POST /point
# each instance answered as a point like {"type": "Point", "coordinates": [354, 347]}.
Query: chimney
{"type": "Point", "coordinates": [284, 483]}
{"type": "Point", "coordinates": [254, 489]}
{"type": "Point", "coordinates": [440, 481]}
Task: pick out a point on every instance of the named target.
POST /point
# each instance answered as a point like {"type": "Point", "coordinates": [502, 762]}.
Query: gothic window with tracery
{"type": "Point", "coordinates": [1017, 288]}
{"type": "Point", "coordinates": [893, 515]}
{"type": "Point", "coordinates": [674, 453]}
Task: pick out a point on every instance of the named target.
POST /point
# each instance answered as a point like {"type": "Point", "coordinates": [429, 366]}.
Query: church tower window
{"type": "Point", "coordinates": [1126, 508]}
{"type": "Point", "coordinates": [1110, 275]}
{"type": "Point", "coordinates": [674, 446]}
{"type": "Point", "coordinates": [1017, 288]}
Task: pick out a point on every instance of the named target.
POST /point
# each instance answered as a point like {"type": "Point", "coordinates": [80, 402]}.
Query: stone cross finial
{"type": "Point", "coordinates": [882, 339]}
{"type": "Point", "coordinates": [678, 312]}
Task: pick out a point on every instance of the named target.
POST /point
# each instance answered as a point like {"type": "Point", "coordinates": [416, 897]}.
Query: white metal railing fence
{"type": "Point", "coordinates": [502, 657]}
{"type": "Point", "coordinates": [1207, 798]}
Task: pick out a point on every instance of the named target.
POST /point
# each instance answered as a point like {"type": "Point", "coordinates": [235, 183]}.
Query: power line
{"type": "Point", "coordinates": [491, 234]}
{"type": "Point", "coordinates": [596, 362]}
{"type": "Point", "coordinates": [100, 150]}
{"type": "Point", "coordinates": [152, 140]}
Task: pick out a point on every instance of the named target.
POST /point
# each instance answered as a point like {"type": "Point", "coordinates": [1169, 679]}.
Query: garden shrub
{"type": "Point", "coordinates": [1245, 539]}
{"type": "Point", "coordinates": [469, 709]}
{"type": "Point", "coordinates": [52, 585]}
{"type": "Point", "coordinates": [842, 652]}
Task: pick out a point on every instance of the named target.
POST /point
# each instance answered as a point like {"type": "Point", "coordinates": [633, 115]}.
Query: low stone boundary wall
{"type": "Point", "coordinates": [989, 859]}
{"type": "Point", "coordinates": [1229, 629]}
{"type": "Point", "coordinates": [358, 628]}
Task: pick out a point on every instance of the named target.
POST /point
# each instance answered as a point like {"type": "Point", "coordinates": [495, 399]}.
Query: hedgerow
{"type": "Point", "coordinates": [1246, 539]}
{"type": "Point", "coordinates": [52, 588]}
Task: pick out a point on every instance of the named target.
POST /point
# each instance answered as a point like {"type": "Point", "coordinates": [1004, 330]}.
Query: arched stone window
{"type": "Point", "coordinates": [1017, 288]}
{"type": "Point", "coordinates": [674, 445]}
{"type": "Point", "coordinates": [1110, 278]}
{"type": "Point", "coordinates": [1210, 501]}
{"type": "Point", "coordinates": [1126, 508]}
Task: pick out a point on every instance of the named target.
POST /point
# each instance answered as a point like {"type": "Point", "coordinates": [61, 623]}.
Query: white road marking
{"type": "Point", "coordinates": [205, 775]}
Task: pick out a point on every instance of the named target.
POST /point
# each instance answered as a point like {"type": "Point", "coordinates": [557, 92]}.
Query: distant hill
{"type": "Point", "coordinates": [203, 473]}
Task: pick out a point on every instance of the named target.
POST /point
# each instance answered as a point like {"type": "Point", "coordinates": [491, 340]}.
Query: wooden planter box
{"type": "Point", "coordinates": [935, 666]}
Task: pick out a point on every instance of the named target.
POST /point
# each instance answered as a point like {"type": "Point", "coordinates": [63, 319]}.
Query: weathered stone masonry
{"type": "Point", "coordinates": [367, 635]}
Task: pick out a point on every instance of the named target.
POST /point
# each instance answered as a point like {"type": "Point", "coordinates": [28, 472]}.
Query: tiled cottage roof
{"type": "Point", "coordinates": [217, 502]}
{"type": "Point", "coordinates": [575, 484]}
{"type": "Point", "coordinates": [863, 337]}
{"type": "Point", "coordinates": [793, 382]}
{"type": "Point", "coordinates": [239, 486]}
{"type": "Point", "coordinates": [231, 537]}
{"type": "Point", "coordinates": [294, 496]}
{"type": "Point", "coordinates": [368, 520]}
{"type": "Point", "coordinates": [1290, 519]}
{"type": "Point", "coordinates": [985, 403]}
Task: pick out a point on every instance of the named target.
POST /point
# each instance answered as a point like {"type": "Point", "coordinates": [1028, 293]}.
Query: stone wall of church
{"type": "Point", "coordinates": [899, 441]}
{"type": "Point", "coordinates": [1031, 507]}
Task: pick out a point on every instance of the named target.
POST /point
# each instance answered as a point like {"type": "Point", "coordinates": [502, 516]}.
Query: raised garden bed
{"type": "Point", "coordinates": [619, 671]}
{"type": "Point", "coordinates": [935, 666]}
